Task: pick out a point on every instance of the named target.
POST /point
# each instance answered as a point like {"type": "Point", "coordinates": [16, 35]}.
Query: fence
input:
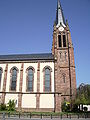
{"type": "Point", "coordinates": [4, 116]}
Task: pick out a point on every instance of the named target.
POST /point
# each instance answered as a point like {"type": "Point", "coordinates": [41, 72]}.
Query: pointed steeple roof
{"type": "Point", "coordinates": [59, 15]}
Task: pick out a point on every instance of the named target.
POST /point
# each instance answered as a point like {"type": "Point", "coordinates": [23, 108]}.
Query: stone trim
{"type": "Point", "coordinates": [13, 68]}
{"type": "Point", "coordinates": [34, 61]}
{"type": "Point", "coordinates": [30, 67]}
{"type": "Point", "coordinates": [32, 93]}
{"type": "Point", "coordinates": [47, 67]}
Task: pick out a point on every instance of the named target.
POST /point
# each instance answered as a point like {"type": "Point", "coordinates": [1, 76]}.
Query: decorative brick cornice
{"type": "Point", "coordinates": [33, 61]}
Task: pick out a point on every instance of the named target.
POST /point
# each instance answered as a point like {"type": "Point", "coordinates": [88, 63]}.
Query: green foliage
{"type": "Point", "coordinates": [83, 94]}
{"type": "Point", "coordinates": [3, 107]}
{"type": "Point", "coordinates": [75, 108]}
{"type": "Point", "coordinates": [11, 105]}
{"type": "Point", "coordinates": [65, 106]}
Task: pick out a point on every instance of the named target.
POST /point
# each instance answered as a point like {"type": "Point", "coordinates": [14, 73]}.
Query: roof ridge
{"type": "Point", "coordinates": [26, 54]}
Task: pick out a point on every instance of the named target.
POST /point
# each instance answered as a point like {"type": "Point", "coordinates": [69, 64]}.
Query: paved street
{"type": "Point", "coordinates": [47, 119]}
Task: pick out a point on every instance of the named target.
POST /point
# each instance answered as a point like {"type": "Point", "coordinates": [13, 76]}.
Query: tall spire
{"type": "Point", "coordinates": [59, 15]}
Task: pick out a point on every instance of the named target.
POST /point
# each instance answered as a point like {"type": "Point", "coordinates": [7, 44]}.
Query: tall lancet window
{"type": "Point", "coordinates": [64, 41]}
{"type": "Point", "coordinates": [0, 76]}
{"type": "Point", "coordinates": [47, 80]}
{"type": "Point", "coordinates": [13, 78]}
{"type": "Point", "coordinates": [59, 41]}
{"type": "Point", "coordinates": [64, 78]}
{"type": "Point", "coordinates": [30, 78]}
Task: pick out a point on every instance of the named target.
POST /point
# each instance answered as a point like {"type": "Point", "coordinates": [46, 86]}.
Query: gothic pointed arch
{"type": "Point", "coordinates": [13, 81]}
{"type": "Point", "coordinates": [47, 79]}
{"type": "Point", "coordinates": [30, 79]}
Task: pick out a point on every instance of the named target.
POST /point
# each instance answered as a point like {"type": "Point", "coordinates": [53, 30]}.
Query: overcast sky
{"type": "Point", "coordinates": [26, 26]}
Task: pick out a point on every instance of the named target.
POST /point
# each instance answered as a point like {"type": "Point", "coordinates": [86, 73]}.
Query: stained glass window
{"type": "Point", "coordinates": [30, 80]}
{"type": "Point", "coordinates": [47, 79]}
{"type": "Point", "coordinates": [14, 79]}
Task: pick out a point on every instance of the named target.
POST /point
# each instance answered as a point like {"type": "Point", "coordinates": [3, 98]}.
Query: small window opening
{"type": "Point", "coordinates": [65, 56]}
{"type": "Point", "coordinates": [60, 55]}
{"type": "Point", "coordinates": [59, 41]}
{"type": "Point", "coordinates": [64, 41]}
{"type": "Point", "coordinates": [64, 78]}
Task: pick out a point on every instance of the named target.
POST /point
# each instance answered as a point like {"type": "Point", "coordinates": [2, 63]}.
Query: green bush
{"type": "Point", "coordinates": [75, 108]}
{"type": "Point", "coordinates": [11, 105]}
{"type": "Point", "coordinates": [3, 107]}
{"type": "Point", "coordinates": [65, 106]}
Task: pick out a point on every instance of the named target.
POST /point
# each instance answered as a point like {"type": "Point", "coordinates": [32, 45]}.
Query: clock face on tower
{"type": "Point", "coordinates": [61, 28]}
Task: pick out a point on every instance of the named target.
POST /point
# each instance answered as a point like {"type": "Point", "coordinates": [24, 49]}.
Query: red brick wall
{"type": "Point", "coordinates": [63, 65]}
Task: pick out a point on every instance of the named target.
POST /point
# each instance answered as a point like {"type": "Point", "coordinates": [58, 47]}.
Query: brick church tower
{"type": "Point", "coordinates": [63, 51]}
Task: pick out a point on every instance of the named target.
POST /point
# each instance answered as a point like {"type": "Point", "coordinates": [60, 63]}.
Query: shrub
{"type": "Point", "coordinates": [65, 106]}
{"type": "Point", "coordinates": [11, 105]}
{"type": "Point", "coordinates": [3, 107]}
{"type": "Point", "coordinates": [75, 108]}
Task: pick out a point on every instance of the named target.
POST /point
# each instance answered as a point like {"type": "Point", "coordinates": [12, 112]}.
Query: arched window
{"type": "Point", "coordinates": [65, 56]}
{"type": "Point", "coordinates": [60, 55]}
{"type": "Point", "coordinates": [59, 41]}
{"type": "Point", "coordinates": [64, 41]}
{"type": "Point", "coordinates": [47, 80]}
{"type": "Point", "coordinates": [0, 76]}
{"type": "Point", "coordinates": [30, 78]}
{"type": "Point", "coordinates": [13, 79]}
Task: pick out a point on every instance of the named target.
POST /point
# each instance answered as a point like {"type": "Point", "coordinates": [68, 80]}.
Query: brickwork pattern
{"type": "Point", "coordinates": [64, 64]}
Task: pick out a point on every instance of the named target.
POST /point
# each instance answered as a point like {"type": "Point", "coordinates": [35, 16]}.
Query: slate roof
{"type": "Point", "coordinates": [27, 57]}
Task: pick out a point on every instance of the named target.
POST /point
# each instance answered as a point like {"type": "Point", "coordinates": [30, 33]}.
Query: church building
{"type": "Point", "coordinates": [41, 82]}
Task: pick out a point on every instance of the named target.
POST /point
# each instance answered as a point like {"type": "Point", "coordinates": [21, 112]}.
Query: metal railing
{"type": "Point", "coordinates": [4, 116]}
